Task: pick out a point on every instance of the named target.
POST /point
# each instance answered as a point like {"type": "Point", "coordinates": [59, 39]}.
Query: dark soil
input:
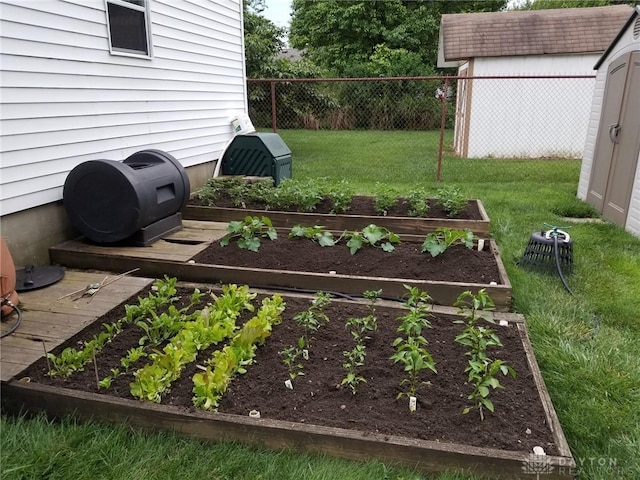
{"type": "Point", "coordinates": [360, 205]}
{"type": "Point", "coordinates": [518, 423]}
{"type": "Point", "coordinates": [456, 264]}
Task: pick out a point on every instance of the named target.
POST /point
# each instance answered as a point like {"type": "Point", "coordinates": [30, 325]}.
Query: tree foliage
{"type": "Point", "coordinates": [375, 37]}
{"type": "Point", "coordinates": [263, 40]}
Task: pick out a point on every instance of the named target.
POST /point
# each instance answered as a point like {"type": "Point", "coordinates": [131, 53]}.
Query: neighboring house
{"type": "Point", "coordinates": [525, 117]}
{"type": "Point", "coordinates": [291, 54]}
{"type": "Point", "coordinates": [102, 79]}
{"type": "Point", "coordinates": [610, 175]}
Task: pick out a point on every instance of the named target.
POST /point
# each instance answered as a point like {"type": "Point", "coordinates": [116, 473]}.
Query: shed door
{"type": "Point", "coordinates": [616, 154]}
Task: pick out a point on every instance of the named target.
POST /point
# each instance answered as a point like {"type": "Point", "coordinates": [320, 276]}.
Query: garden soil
{"type": "Point", "coordinates": [518, 424]}
{"type": "Point", "coordinates": [456, 264]}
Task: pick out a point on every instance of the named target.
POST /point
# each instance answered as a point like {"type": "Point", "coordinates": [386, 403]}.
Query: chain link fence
{"type": "Point", "coordinates": [523, 118]}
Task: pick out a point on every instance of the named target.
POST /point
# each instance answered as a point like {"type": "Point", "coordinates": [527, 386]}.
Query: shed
{"type": "Point", "coordinates": [610, 174]}
{"type": "Point", "coordinates": [102, 79]}
{"type": "Point", "coordinates": [525, 117]}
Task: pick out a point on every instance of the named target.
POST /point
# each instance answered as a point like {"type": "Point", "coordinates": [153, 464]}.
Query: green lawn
{"type": "Point", "coordinates": [586, 345]}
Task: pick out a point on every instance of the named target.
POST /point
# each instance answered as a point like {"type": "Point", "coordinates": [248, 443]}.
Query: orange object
{"type": "Point", "coordinates": [8, 278]}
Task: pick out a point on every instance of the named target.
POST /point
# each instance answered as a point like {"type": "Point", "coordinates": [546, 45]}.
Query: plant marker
{"type": "Point", "coordinates": [412, 404]}
{"type": "Point", "coordinates": [305, 354]}
{"type": "Point", "coordinates": [538, 451]}
{"type": "Point", "coordinates": [288, 384]}
{"type": "Point", "coordinates": [480, 244]}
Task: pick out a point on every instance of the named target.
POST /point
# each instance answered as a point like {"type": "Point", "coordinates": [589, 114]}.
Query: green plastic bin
{"type": "Point", "coordinates": [258, 154]}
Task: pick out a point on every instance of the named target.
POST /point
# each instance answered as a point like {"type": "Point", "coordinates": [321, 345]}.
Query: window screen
{"type": "Point", "coordinates": [128, 27]}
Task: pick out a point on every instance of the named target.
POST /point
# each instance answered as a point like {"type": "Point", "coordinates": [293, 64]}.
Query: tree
{"type": "Point", "coordinates": [262, 40]}
{"type": "Point", "coordinates": [345, 36]}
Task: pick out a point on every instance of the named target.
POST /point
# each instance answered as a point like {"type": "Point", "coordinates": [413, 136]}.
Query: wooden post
{"type": "Point", "coordinates": [443, 120]}
{"type": "Point", "coordinates": [274, 123]}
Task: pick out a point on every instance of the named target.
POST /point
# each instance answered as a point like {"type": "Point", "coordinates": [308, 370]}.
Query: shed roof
{"type": "Point", "coordinates": [530, 32]}
{"type": "Point", "coordinates": [636, 12]}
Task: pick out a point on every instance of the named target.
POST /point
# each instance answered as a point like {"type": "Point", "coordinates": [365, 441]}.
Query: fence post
{"type": "Point", "coordinates": [443, 121]}
{"type": "Point", "coordinates": [274, 124]}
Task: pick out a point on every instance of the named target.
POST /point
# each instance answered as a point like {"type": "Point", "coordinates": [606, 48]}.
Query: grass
{"type": "Point", "coordinates": [586, 344]}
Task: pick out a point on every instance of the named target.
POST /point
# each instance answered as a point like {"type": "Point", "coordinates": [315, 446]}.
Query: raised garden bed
{"type": "Point", "coordinates": [230, 205]}
{"type": "Point", "coordinates": [318, 414]}
{"type": "Point", "coordinates": [444, 283]}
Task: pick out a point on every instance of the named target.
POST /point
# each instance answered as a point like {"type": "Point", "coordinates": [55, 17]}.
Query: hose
{"type": "Point", "coordinates": [558, 267]}
{"type": "Point", "coordinates": [351, 296]}
{"type": "Point", "coordinates": [596, 319]}
{"type": "Point", "coordinates": [18, 321]}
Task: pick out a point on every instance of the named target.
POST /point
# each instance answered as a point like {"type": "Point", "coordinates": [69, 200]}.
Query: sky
{"type": "Point", "coordinates": [278, 12]}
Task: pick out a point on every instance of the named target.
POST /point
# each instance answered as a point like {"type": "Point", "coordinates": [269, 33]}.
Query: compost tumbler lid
{"type": "Point", "coordinates": [31, 278]}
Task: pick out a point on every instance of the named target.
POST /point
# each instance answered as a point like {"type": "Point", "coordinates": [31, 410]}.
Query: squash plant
{"type": "Point", "coordinates": [442, 238]}
{"type": "Point", "coordinates": [316, 233]}
{"type": "Point", "coordinates": [72, 360]}
{"type": "Point", "coordinates": [248, 232]}
{"type": "Point", "coordinates": [210, 384]}
{"type": "Point", "coordinates": [374, 236]}
{"type": "Point", "coordinates": [482, 370]}
{"type": "Point", "coordinates": [207, 327]}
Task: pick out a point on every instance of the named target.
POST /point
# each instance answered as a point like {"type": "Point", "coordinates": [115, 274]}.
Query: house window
{"type": "Point", "coordinates": [128, 22]}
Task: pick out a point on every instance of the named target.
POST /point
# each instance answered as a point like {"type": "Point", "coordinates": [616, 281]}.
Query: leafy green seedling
{"type": "Point", "coordinates": [482, 370]}
{"type": "Point", "coordinates": [442, 238]}
{"type": "Point", "coordinates": [451, 200]}
{"type": "Point", "coordinates": [417, 200]}
{"type": "Point", "coordinates": [374, 236]}
{"type": "Point", "coordinates": [290, 359]}
{"type": "Point", "coordinates": [248, 232]}
{"type": "Point", "coordinates": [316, 233]}
{"type": "Point", "coordinates": [384, 199]}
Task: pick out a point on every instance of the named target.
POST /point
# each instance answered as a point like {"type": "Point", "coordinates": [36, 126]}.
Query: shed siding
{"type": "Point", "coordinates": [530, 117]}
{"type": "Point", "coordinates": [625, 44]}
{"type": "Point", "coordinates": [66, 99]}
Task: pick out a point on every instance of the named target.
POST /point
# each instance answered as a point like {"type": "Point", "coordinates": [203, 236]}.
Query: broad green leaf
{"type": "Point", "coordinates": [387, 247]}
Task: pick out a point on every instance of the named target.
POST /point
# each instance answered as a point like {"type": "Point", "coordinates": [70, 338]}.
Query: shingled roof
{"type": "Point", "coordinates": [530, 32]}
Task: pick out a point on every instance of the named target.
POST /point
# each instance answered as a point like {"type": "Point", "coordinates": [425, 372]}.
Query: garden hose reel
{"type": "Point", "coordinates": [540, 253]}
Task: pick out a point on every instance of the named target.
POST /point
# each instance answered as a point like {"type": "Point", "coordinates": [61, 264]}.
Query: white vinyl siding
{"type": "Point", "coordinates": [66, 99]}
{"type": "Point", "coordinates": [625, 44]}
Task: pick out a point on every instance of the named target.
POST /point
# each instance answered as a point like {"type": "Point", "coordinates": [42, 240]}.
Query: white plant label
{"type": "Point", "coordinates": [480, 244]}
{"type": "Point", "coordinates": [305, 354]}
{"type": "Point", "coordinates": [288, 384]}
{"type": "Point", "coordinates": [413, 403]}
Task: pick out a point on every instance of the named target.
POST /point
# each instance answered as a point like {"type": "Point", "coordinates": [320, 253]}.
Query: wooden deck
{"type": "Point", "coordinates": [48, 320]}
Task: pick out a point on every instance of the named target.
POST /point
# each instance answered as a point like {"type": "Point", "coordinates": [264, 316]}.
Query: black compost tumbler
{"type": "Point", "coordinates": [137, 200]}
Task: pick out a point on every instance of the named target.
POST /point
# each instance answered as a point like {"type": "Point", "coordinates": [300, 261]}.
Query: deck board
{"type": "Point", "coordinates": [48, 319]}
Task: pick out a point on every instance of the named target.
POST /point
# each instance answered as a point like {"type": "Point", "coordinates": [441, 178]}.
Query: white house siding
{"type": "Point", "coordinates": [66, 99]}
{"type": "Point", "coordinates": [625, 44]}
{"type": "Point", "coordinates": [530, 117]}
